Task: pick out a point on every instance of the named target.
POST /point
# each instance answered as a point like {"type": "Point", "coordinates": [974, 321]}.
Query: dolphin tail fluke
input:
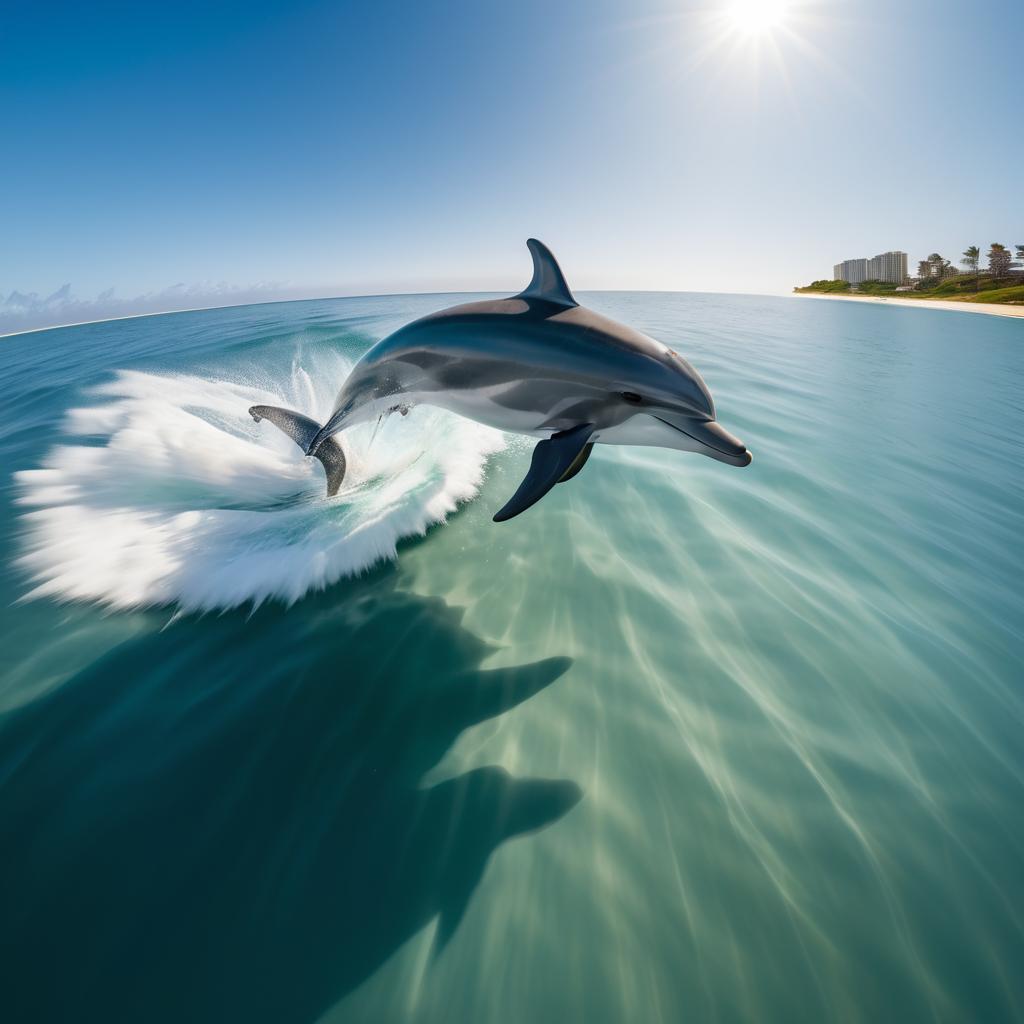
{"type": "Point", "coordinates": [302, 430]}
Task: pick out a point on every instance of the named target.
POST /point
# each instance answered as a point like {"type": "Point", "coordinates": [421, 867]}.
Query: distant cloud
{"type": "Point", "coordinates": [21, 311]}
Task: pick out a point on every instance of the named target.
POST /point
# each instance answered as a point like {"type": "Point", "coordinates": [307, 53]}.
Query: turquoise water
{"type": "Point", "coordinates": [683, 742]}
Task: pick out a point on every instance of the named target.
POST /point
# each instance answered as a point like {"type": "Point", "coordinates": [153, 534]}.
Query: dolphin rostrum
{"type": "Point", "coordinates": [537, 363]}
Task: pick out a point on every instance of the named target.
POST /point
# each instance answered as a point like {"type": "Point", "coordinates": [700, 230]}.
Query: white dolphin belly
{"type": "Point", "coordinates": [646, 431]}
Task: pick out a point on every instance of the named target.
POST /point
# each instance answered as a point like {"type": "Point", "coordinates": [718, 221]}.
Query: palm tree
{"type": "Point", "coordinates": [999, 261]}
{"type": "Point", "coordinates": [971, 260]}
{"type": "Point", "coordinates": [941, 267]}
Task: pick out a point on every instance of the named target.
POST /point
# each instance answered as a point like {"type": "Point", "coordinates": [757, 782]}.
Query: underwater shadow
{"type": "Point", "coordinates": [225, 820]}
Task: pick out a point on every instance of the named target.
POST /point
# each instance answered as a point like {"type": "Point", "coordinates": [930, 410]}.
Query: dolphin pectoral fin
{"type": "Point", "coordinates": [553, 460]}
{"type": "Point", "coordinates": [301, 429]}
{"type": "Point", "coordinates": [578, 463]}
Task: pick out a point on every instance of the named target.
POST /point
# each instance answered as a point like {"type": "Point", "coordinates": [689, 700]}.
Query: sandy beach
{"type": "Point", "coordinates": [992, 308]}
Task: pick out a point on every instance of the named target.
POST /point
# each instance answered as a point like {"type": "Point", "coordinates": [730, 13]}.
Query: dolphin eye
{"type": "Point", "coordinates": [632, 398]}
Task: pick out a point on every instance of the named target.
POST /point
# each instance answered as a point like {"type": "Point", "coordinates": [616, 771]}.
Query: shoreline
{"type": "Point", "coordinates": [991, 308]}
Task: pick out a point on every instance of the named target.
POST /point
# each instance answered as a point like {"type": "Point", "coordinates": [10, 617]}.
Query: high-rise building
{"type": "Point", "coordinates": [890, 267]}
{"type": "Point", "coordinates": [851, 271]}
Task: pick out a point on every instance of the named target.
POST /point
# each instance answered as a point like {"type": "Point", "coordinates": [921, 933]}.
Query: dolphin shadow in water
{"type": "Point", "coordinates": [225, 820]}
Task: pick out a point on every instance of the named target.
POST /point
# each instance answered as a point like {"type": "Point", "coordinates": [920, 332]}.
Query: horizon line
{"type": "Point", "coordinates": [359, 295]}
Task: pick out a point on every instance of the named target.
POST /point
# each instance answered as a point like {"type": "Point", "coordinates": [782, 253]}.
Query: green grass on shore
{"type": "Point", "coordinates": [1014, 294]}
{"type": "Point", "coordinates": [826, 287]}
{"type": "Point", "coordinates": [955, 289]}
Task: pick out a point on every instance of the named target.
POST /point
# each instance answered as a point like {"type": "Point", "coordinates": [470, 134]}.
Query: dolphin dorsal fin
{"type": "Point", "coordinates": [548, 281]}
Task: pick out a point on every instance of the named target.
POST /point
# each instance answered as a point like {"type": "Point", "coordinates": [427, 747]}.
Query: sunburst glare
{"type": "Point", "coordinates": [752, 17]}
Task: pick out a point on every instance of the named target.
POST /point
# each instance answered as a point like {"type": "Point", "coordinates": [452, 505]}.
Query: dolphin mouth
{"type": "Point", "coordinates": [711, 435]}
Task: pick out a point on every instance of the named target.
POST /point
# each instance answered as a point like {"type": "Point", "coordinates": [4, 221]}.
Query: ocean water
{"type": "Point", "coordinates": [682, 743]}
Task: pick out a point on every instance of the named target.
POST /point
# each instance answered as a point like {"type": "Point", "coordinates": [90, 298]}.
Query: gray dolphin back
{"type": "Point", "coordinates": [301, 429]}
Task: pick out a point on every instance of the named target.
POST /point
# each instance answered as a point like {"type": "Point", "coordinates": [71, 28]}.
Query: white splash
{"type": "Point", "coordinates": [178, 498]}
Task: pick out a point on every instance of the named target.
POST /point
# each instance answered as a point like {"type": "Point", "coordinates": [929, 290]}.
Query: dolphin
{"type": "Point", "coordinates": [537, 363]}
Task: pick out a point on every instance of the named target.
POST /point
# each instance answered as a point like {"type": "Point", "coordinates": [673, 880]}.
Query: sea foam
{"type": "Point", "coordinates": [167, 493]}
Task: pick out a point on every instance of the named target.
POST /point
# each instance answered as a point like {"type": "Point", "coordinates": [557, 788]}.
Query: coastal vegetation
{"type": "Point", "coordinates": [938, 278]}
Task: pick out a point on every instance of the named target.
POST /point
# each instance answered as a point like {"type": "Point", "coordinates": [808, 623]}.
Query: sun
{"type": "Point", "coordinates": [755, 17]}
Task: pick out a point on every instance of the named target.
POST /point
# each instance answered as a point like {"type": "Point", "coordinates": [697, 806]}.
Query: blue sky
{"type": "Point", "coordinates": [334, 148]}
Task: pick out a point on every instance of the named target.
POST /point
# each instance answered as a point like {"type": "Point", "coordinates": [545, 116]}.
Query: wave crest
{"type": "Point", "coordinates": [172, 495]}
